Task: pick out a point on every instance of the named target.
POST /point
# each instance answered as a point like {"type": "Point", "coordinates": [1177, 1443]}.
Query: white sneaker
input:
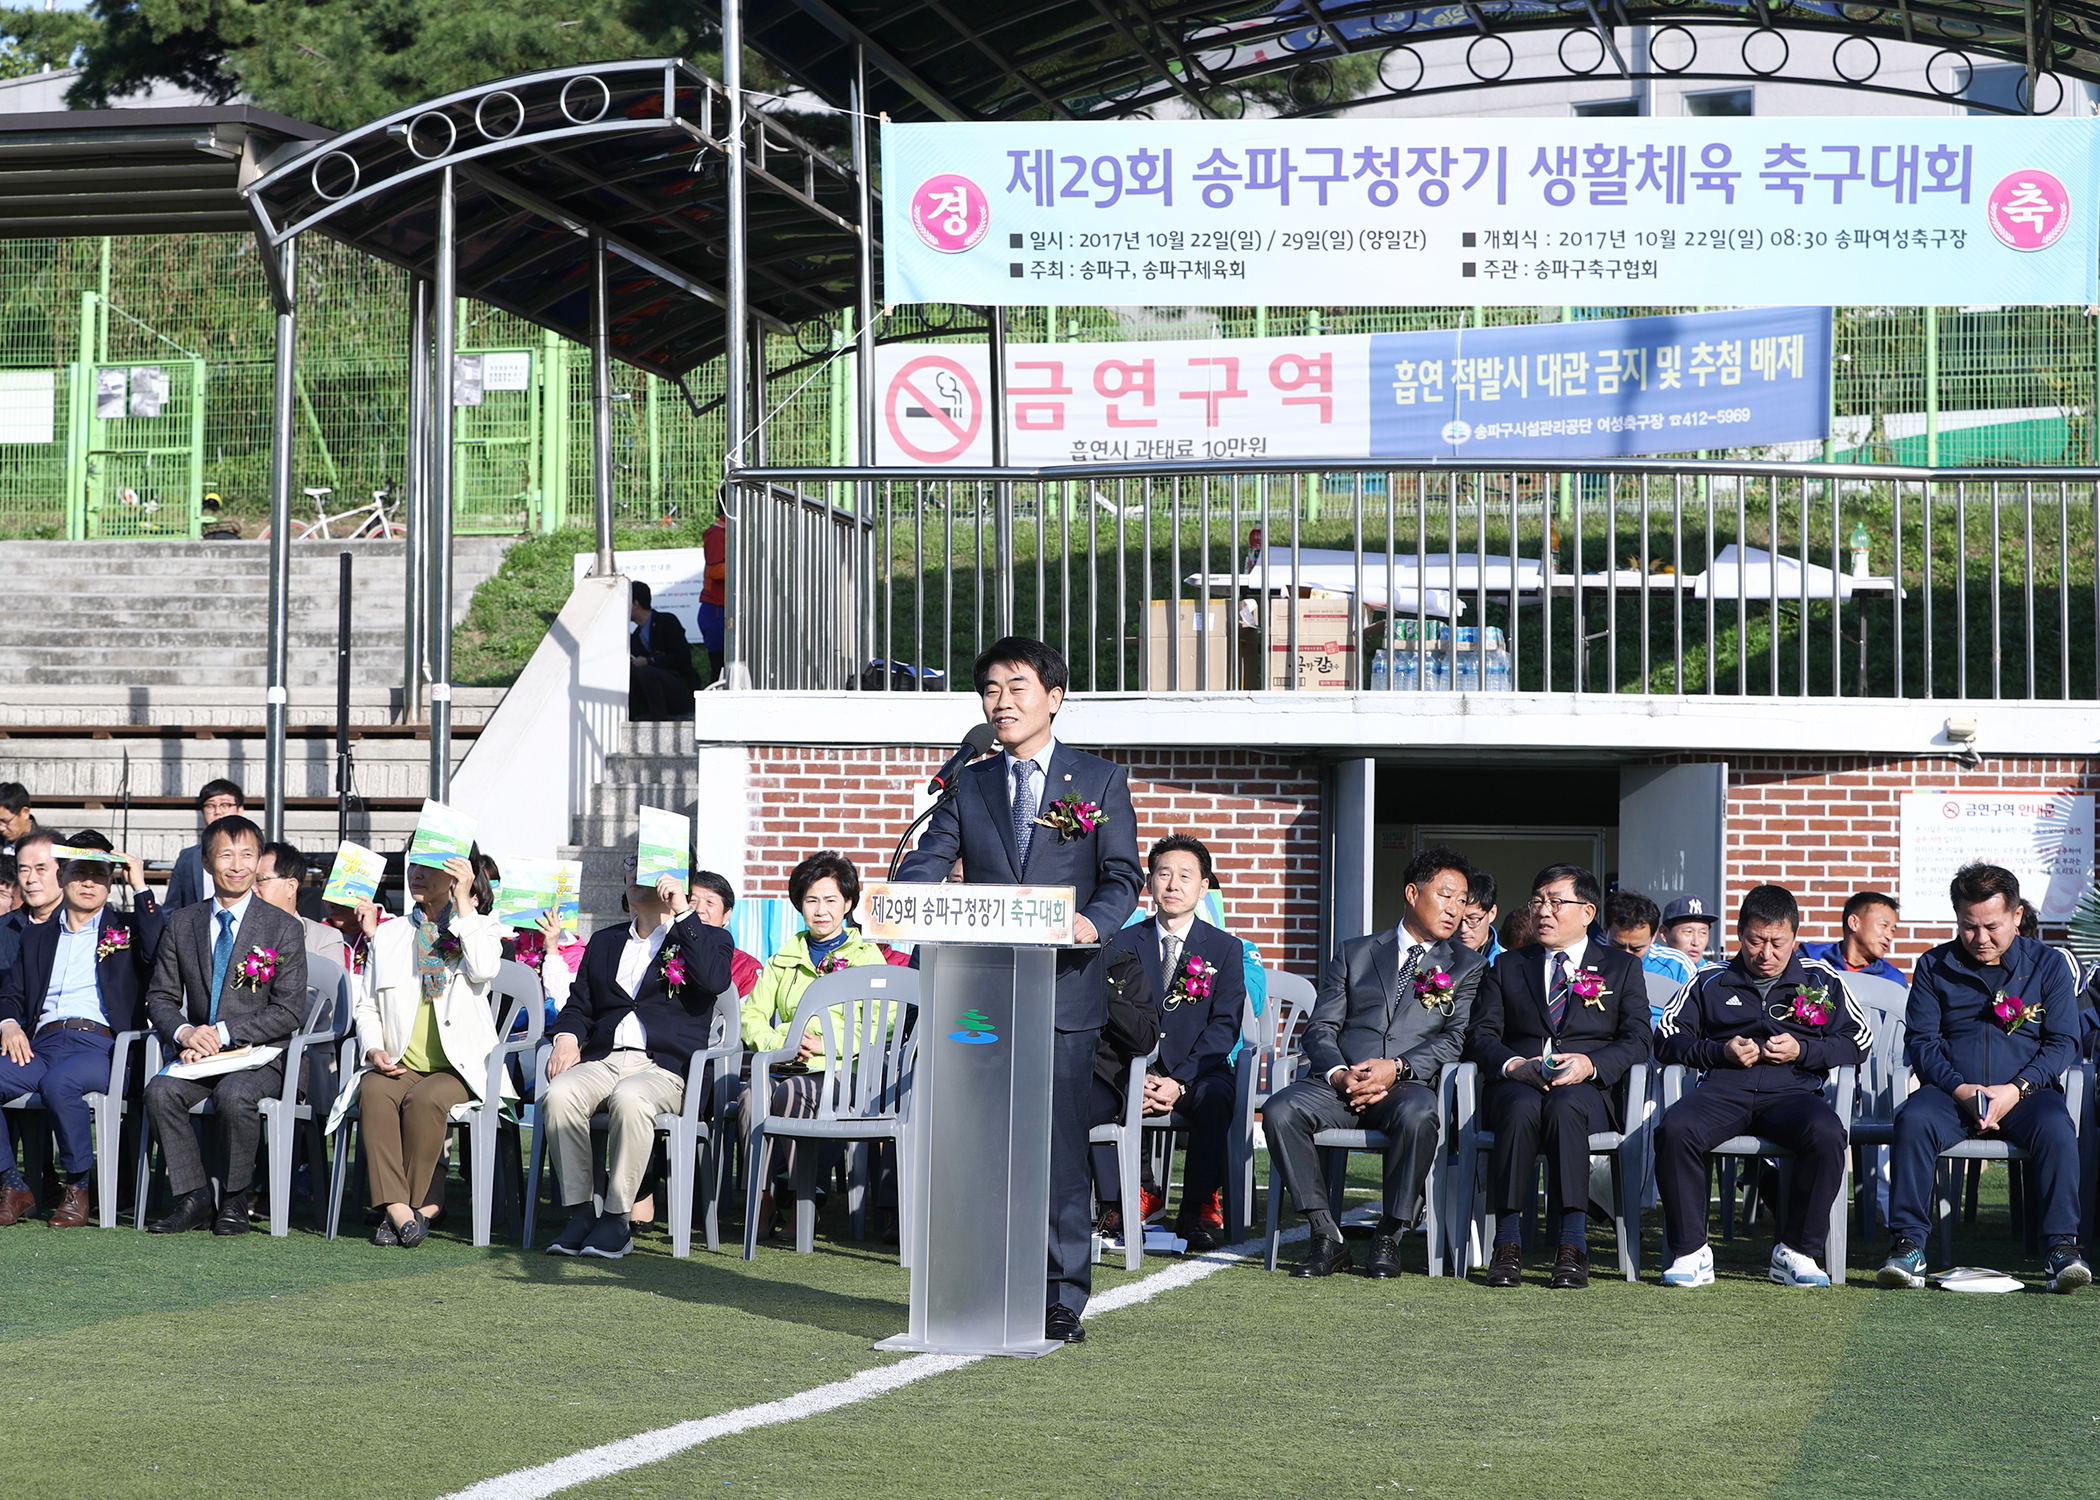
{"type": "Point", "coordinates": [1791, 1268]}
{"type": "Point", "coordinates": [1696, 1269]}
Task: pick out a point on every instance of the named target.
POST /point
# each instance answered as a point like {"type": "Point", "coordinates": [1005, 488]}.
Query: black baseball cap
{"type": "Point", "coordinates": [1685, 909]}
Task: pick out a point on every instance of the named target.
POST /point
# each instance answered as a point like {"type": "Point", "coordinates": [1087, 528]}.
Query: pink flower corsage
{"type": "Point", "coordinates": [2011, 1013]}
{"type": "Point", "coordinates": [258, 967]}
{"type": "Point", "coordinates": [115, 940]}
{"type": "Point", "coordinates": [1434, 990]}
{"type": "Point", "coordinates": [1588, 987]}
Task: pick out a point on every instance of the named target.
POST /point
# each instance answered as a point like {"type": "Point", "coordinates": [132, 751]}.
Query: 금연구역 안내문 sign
{"type": "Point", "coordinates": [1672, 212]}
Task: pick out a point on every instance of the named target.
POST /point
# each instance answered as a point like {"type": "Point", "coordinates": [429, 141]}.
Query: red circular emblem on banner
{"type": "Point", "coordinates": [950, 212]}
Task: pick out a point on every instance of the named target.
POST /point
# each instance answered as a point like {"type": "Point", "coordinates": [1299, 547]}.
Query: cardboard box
{"type": "Point", "coordinates": [1209, 631]}
{"type": "Point", "coordinates": [1326, 656]}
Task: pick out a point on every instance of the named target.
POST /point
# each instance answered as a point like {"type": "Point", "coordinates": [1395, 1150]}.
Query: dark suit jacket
{"type": "Point", "coordinates": [187, 882]}
{"type": "Point", "coordinates": [668, 647]}
{"type": "Point", "coordinates": [976, 826]}
{"type": "Point", "coordinates": [677, 1023]}
{"type": "Point", "coordinates": [1196, 1036]}
{"type": "Point", "coordinates": [180, 994]}
{"type": "Point", "coordinates": [1358, 1017]}
{"type": "Point", "coordinates": [1510, 1018]}
{"type": "Point", "coordinates": [121, 977]}
{"type": "Point", "coordinates": [1133, 1020]}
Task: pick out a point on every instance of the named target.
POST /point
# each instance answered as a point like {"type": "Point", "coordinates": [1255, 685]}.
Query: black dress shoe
{"type": "Point", "coordinates": [233, 1215]}
{"type": "Point", "coordinates": [1385, 1255]}
{"type": "Point", "coordinates": [1327, 1257]}
{"type": "Point", "coordinates": [1197, 1239]}
{"type": "Point", "coordinates": [1571, 1268]}
{"type": "Point", "coordinates": [1063, 1324]}
{"type": "Point", "coordinates": [191, 1211]}
{"type": "Point", "coordinates": [1507, 1268]}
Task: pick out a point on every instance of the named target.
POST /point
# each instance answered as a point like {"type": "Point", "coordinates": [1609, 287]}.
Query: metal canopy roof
{"type": "Point", "coordinates": [72, 173]}
{"type": "Point", "coordinates": [636, 151]}
{"type": "Point", "coordinates": [1081, 59]}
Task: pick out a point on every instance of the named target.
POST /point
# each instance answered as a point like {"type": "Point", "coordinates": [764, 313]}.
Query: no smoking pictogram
{"type": "Point", "coordinates": [934, 409]}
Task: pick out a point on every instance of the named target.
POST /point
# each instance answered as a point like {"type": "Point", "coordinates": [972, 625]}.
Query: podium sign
{"type": "Point", "coordinates": [893, 912]}
{"type": "Point", "coordinates": [980, 1146]}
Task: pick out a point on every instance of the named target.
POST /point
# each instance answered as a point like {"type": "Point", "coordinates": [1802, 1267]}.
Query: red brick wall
{"type": "Point", "coordinates": [1258, 813]}
{"type": "Point", "coordinates": [1826, 826]}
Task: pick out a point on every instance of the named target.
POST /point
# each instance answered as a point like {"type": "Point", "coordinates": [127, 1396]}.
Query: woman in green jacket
{"type": "Point", "coordinates": [824, 888]}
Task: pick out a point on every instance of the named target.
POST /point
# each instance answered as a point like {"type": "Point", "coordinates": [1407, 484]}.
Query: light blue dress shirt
{"type": "Point", "coordinates": [75, 994]}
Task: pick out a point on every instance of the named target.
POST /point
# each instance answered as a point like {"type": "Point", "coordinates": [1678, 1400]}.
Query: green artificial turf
{"type": "Point", "coordinates": [144, 1366]}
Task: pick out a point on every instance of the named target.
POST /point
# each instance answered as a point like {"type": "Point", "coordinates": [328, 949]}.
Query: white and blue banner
{"type": "Point", "coordinates": [1596, 389]}
{"type": "Point", "coordinates": [1643, 212]}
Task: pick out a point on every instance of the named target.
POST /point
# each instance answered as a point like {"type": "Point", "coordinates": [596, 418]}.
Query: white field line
{"type": "Point", "coordinates": [652, 1447]}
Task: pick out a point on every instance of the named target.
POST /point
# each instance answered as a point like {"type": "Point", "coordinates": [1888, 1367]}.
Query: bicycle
{"type": "Point", "coordinates": [376, 520]}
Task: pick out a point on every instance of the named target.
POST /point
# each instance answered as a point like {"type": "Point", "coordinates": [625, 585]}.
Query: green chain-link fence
{"type": "Point", "coordinates": [80, 320]}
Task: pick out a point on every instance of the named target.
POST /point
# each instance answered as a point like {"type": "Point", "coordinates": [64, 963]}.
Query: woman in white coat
{"type": "Point", "coordinates": [424, 1035]}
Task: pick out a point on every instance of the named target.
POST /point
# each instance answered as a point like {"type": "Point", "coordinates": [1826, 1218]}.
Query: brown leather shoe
{"type": "Point", "coordinates": [16, 1204]}
{"type": "Point", "coordinates": [72, 1210]}
{"type": "Point", "coordinates": [1507, 1268]}
{"type": "Point", "coordinates": [1571, 1268]}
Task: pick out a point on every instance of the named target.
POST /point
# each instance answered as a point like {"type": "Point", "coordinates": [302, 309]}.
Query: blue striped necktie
{"type": "Point", "coordinates": [221, 958]}
{"type": "Point", "coordinates": [1024, 808]}
{"type": "Point", "coordinates": [1557, 996]}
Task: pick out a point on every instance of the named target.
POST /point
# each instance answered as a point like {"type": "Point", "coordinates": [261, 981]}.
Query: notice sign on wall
{"type": "Point", "coordinates": [2045, 839]}
{"type": "Point", "coordinates": [1600, 388]}
{"type": "Point", "coordinates": [1436, 212]}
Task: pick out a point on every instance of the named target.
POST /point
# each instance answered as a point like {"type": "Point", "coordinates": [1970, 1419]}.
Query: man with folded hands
{"type": "Point", "coordinates": [80, 980]}
{"type": "Point", "coordinates": [230, 974]}
{"type": "Point", "coordinates": [1558, 1025]}
{"type": "Point", "coordinates": [1393, 1009]}
{"type": "Point", "coordinates": [1763, 1030]}
{"type": "Point", "coordinates": [1991, 1026]}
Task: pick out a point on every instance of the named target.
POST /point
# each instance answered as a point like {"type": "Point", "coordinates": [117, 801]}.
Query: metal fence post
{"type": "Point", "coordinates": [446, 313]}
{"type": "Point", "coordinates": [283, 476]}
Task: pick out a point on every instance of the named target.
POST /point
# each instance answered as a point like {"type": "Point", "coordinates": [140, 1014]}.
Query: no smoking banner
{"type": "Point", "coordinates": [933, 408]}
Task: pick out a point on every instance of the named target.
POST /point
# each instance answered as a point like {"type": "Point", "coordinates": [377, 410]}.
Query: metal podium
{"type": "Point", "coordinates": [980, 1150]}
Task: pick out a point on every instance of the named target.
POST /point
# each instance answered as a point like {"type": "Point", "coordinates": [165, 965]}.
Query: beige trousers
{"type": "Point", "coordinates": [632, 1091]}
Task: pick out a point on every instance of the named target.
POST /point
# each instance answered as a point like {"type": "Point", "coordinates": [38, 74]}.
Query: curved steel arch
{"type": "Point", "coordinates": [634, 152]}
{"type": "Point", "coordinates": [1014, 59]}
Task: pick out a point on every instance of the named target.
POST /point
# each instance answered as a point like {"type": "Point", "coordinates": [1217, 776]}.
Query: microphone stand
{"type": "Point", "coordinates": [897, 854]}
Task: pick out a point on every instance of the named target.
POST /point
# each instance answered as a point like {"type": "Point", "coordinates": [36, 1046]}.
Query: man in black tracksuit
{"type": "Point", "coordinates": [1763, 1029]}
{"type": "Point", "coordinates": [1991, 1026]}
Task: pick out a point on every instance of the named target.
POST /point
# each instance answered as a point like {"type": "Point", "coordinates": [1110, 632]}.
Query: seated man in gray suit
{"type": "Point", "coordinates": [1393, 1009]}
{"type": "Point", "coordinates": [231, 972]}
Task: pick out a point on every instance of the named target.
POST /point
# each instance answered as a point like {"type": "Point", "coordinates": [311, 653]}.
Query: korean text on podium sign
{"type": "Point", "coordinates": [892, 912]}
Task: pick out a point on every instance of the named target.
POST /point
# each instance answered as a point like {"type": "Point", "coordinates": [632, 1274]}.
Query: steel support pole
{"type": "Point", "coordinates": [1003, 496]}
{"type": "Point", "coordinates": [441, 413]}
{"type": "Point", "coordinates": [415, 547]}
{"type": "Point", "coordinates": [865, 501]}
{"type": "Point", "coordinates": [283, 478]}
{"type": "Point", "coordinates": [601, 406]}
{"type": "Point", "coordinates": [736, 318]}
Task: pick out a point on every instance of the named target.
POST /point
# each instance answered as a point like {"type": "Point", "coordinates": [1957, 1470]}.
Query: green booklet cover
{"type": "Point", "coordinates": [662, 846]}
{"type": "Point", "coordinates": [441, 834]}
{"type": "Point", "coordinates": [528, 892]}
{"type": "Point", "coordinates": [355, 875]}
{"type": "Point", "coordinates": [568, 891]}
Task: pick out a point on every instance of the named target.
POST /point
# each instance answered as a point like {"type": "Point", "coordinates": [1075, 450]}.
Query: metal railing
{"type": "Point", "coordinates": [1672, 578]}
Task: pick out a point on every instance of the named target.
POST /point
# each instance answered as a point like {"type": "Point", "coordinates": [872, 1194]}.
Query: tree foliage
{"type": "Point", "coordinates": [33, 40]}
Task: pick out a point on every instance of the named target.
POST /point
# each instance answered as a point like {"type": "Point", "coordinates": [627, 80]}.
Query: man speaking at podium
{"type": "Point", "coordinates": [1042, 813]}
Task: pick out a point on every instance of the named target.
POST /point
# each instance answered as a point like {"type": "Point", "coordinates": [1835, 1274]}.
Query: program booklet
{"type": "Point", "coordinates": [529, 891]}
{"type": "Point", "coordinates": [441, 834]}
{"type": "Point", "coordinates": [355, 875]}
{"type": "Point", "coordinates": [661, 847]}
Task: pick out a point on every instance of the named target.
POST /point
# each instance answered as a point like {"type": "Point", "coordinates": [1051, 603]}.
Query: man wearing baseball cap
{"type": "Point", "coordinates": [1688, 923]}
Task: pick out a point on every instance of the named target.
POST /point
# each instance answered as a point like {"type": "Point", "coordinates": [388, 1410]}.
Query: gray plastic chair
{"type": "Point", "coordinates": [328, 999]}
{"type": "Point", "coordinates": [1124, 1135]}
{"type": "Point", "coordinates": [868, 1098]}
{"type": "Point", "coordinates": [1883, 1084]}
{"type": "Point", "coordinates": [1840, 1087]}
{"type": "Point", "coordinates": [695, 1137]}
{"type": "Point", "coordinates": [106, 1109]}
{"type": "Point", "coordinates": [1627, 1150]}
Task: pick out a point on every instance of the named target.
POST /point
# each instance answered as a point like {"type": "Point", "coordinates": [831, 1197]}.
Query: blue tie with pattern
{"type": "Point", "coordinates": [1024, 808]}
{"type": "Point", "coordinates": [1557, 996]}
{"type": "Point", "coordinates": [221, 959]}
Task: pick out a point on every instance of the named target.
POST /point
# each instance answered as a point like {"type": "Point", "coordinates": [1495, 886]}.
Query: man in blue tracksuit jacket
{"type": "Point", "coordinates": [1991, 1026]}
{"type": "Point", "coordinates": [1763, 1029]}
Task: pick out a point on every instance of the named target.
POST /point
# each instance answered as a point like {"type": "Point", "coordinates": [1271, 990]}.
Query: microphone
{"type": "Point", "coordinates": [978, 741]}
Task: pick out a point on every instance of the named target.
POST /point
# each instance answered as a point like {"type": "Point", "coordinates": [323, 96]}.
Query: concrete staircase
{"type": "Point", "coordinates": [114, 616]}
{"type": "Point", "coordinates": [133, 672]}
{"type": "Point", "coordinates": [658, 765]}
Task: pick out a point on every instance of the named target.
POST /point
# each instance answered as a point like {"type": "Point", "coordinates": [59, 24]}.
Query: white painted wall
{"type": "Point", "coordinates": [545, 747]}
{"type": "Point", "coordinates": [722, 818]}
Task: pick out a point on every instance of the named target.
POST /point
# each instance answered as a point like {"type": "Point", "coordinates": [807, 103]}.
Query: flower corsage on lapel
{"type": "Point", "coordinates": [1810, 1007]}
{"type": "Point", "coordinates": [115, 940]}
{"type": "Point", "coordinates": [1588, 987]}
{"type": "Point", "coordinates": [836, 962]}
{"type": "Point", "coordinates": [673, 971]}
{"type": "Point", "coordinates": [1072, 817]}
{"type": "Point", "coordinates": [446, 945]}
{"type": "Point", "coordinates": [2011, 1013]}
{"type": "Point", "coordinates": [530, 949]}
{"type": "Point", "coordinates": [257, 968]}
{"type": "Point", "coordinates": [1192, 983]}
{"type": "Point", "coordinates": [1434, 990]}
